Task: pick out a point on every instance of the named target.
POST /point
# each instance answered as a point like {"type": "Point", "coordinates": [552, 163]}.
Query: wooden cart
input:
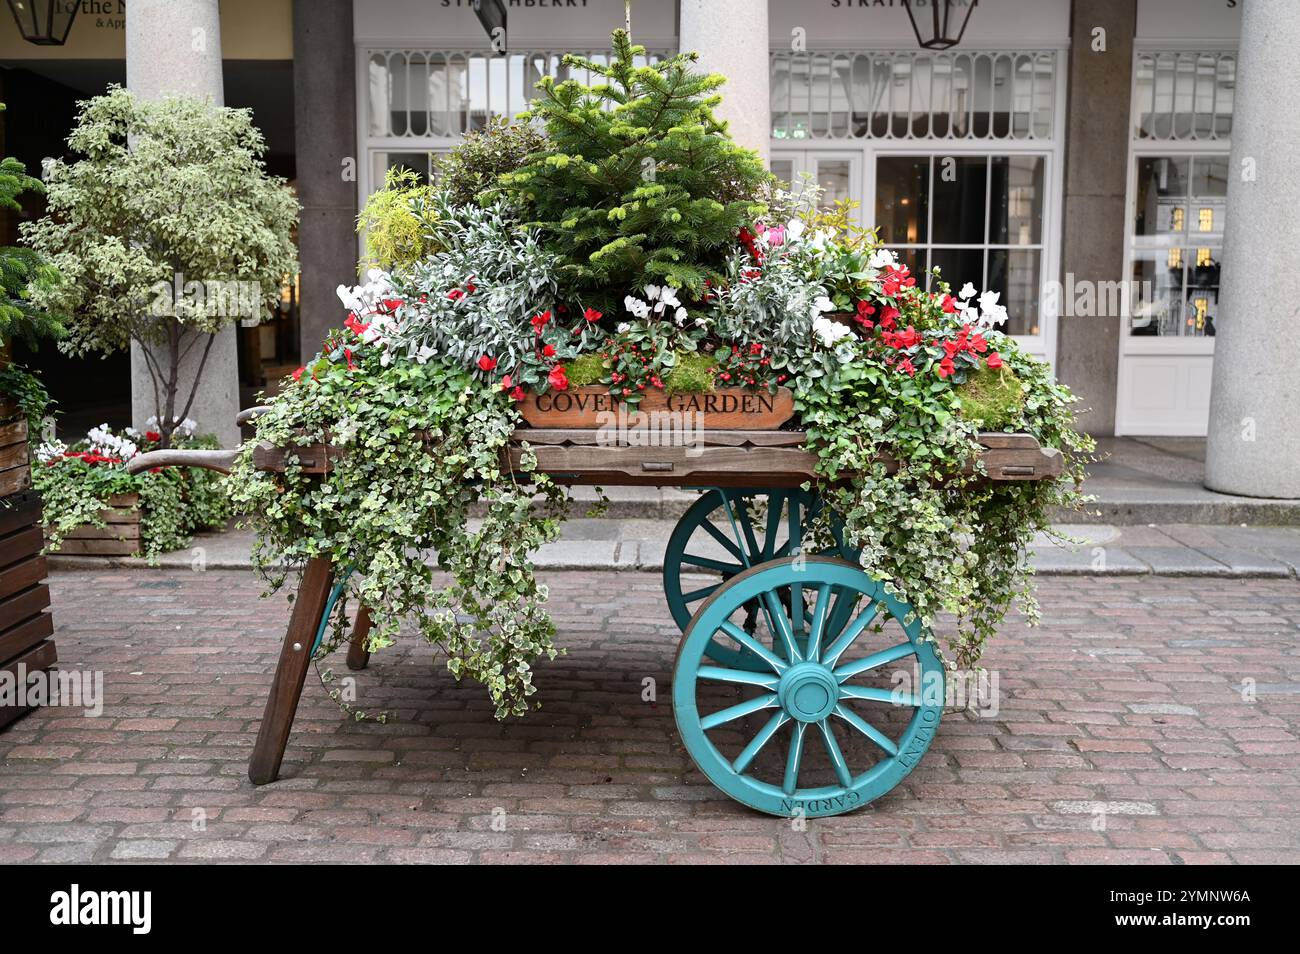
{"type": "Point", "coordinates": [788, 627]}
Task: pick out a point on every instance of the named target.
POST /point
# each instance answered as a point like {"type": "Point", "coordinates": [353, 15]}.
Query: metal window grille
{"type": "Point", "coordinates": [970, 94]}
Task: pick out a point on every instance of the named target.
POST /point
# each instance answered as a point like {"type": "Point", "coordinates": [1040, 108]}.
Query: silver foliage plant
{"type": "Point", "coordinates": [504, 276]}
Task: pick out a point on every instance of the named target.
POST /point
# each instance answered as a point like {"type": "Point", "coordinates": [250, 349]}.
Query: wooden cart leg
{"type": "Point", "coordinates": [295, 657]}
{"type": "Point", "coordinates": [358, 655]}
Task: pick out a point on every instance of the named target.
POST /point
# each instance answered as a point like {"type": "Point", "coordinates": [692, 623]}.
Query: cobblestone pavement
{"type": "Point", "coordinates": [1148, 720]}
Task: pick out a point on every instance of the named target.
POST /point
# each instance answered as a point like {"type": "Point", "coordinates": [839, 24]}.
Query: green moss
{"type": "Point", "coordinates": [585, 369]}
{"type": "Point", "coordinates": [993, 398]}
{"type": "Point", "coordinates": [690, 374]}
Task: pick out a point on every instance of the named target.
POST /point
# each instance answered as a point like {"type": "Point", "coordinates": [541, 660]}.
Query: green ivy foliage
{"type": "Point", "coordinates": [936, 533]}
{"type": "Point", "coordinates": [388, 504]}
{"type": "Point", "coordinates": [25, 389]}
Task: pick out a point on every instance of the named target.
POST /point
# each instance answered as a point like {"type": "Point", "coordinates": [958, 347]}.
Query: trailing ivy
{"type": "Point", "coordinates": [421, 444]}
{"type": "Point", "coordinates": [936, 531]}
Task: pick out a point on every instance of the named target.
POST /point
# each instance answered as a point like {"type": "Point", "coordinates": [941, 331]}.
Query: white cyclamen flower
{"type": "Point", "coordinates": [830, 331]}
{"type": "Point", "coordinates": [882, 258]}
{"type": "Point", "coordinates": [967, 291]}
{"type": "Point", "coordinates": [794, 228]}
{"type": "Point", "coordinates": [991, 313]}
{"type": "Point", "coordinates": [636, 306]}
{"type": "Point", "coordinates": [822, 303]}
{"type": "Point", "coordinates": [50, 450]}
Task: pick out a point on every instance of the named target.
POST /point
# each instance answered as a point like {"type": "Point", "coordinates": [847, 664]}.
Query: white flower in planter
{"type": "Point", "coordinates": [636, 306]}
{"type": "Point", "coordinates": [51, 450]}
{"type": "Point", "coordinates": [967, 291]}
{"type": "Point", "coordinates": [991, 313]}
{"type": "Point", "coordinates": [882, 258]}
{"type": "Point", "coordinates": [830, 331]}
{"type": "Point", "coordinates": [794, 229]}
{"type": "Point", "coordinates": [820, 304]}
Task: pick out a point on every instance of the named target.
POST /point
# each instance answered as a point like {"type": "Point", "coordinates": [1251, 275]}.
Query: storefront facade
{"type": "Point", "coordinates": [979, 160]}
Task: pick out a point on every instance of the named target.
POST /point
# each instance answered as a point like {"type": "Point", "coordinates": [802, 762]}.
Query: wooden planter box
{"type": "Point", "coordinates": [723, 409]}
{"type": "Point", "coordinates": [25, 623]}
{"type": "Point", "coordinates": [15, 462]}
{"type": "Point", "coordinates": [120, 538]}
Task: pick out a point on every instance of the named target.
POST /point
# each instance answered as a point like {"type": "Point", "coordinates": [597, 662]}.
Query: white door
{"type": "Point", "coordinates": [1177, 201]}
{"type": "Point", "coordinates": [837, 171]}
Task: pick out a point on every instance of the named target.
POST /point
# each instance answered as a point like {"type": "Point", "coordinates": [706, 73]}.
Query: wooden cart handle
{"type": "Point", "coordinates": [219, 460]}
{"type": "Point", "coordinates": [249, 414]}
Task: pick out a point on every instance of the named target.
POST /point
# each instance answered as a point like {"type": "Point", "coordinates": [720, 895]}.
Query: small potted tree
{"type": "Point", "coordinates": [166, 230]}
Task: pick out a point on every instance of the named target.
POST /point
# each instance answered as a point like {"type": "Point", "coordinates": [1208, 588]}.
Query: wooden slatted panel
{"type": "Point", "coordinates": [726, 458]}
{"type": "Point", "coordinates": [121, 536]}
{"type": "Point", "coordinates": [15, 462]}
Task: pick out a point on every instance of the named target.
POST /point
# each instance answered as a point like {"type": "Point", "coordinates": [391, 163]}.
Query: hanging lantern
{"type": "Point", "coordinates": [947, 21]}
{"type": "Point", "coordinates": [492, 14]}
{"type": "Point", "coordinates": [44, 22]}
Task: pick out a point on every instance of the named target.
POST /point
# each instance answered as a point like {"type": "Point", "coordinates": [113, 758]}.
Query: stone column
{"type": "Point", "coordinates": [325, 124]}
{"type": "Point", "coordinates": [174, 47]}
{"type": "Point", "coordinates": [1096, 176]}
{"type": "Point", "coordinates": [1254, 436]}
{"type": "Point", "coordinates": [731, 37]}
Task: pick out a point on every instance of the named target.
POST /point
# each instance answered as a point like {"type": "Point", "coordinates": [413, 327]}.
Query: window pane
{"type": "Point", "coordinates": [1016, 200]}
{"type": "Point", "coordinates": [417, 162]}
{"type": "Point", "coordinates": [1209, 195]}
{"type": "Point", "coordinates": [902, 199]}
{"type": "Point", "coordinates": [1015, 273]}
{"type": "Point", "coordinates": [783, 169]}
{"type": "Point", "coordinates": [1202, 291]}
{"type": "Point", "coordinates": [835, 178]}
{"type": "Point", "coordinates": [914, 259]}
{"type": "Point", "coordinates": [959, 196]}
{"type": "Point", "coordinates": [958, 266]}
{"type": "Point", "coordinates": [1161, 196]}
{"type": "Point", "coordinates": [1157, 297]}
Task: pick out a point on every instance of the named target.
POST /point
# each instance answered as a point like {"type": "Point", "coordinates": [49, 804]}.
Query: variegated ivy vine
{"type": "Point", "coordinates": [389, 505]}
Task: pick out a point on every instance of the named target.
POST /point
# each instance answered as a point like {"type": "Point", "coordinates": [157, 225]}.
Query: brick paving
{"type": "Point", "coordinates": [1149, 720]}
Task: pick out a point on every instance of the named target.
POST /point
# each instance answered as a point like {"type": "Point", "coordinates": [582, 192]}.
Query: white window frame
{"type": "Point", "coordinates": [1043, 344]}
{"type": "Point", "coordinates": [1130, 346]}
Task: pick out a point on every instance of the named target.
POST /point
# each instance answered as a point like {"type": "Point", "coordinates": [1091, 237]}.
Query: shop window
{"type": "Point", "coordinates": [978, 219]}
{"type": "Point", "coordinates": [1176, 262]}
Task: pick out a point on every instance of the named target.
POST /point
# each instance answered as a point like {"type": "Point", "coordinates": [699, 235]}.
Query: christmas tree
{"type": "Point", "coordinates": [638, 182]}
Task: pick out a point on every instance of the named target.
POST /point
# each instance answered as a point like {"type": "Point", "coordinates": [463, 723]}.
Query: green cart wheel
{"type": "Point", "coordinates": [742, 528]}
{"type": "Point", "coordinates": [734, 722]}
